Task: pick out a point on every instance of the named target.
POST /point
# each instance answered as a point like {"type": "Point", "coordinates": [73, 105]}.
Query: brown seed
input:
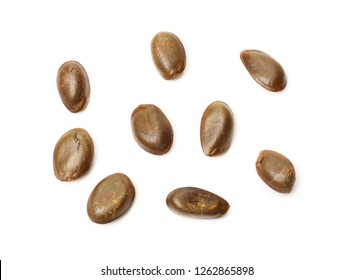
{"type": "Point", "coordinates": [276, 171]}
{"type": "Point", "coordinates": [168, 55]}
{"type": "Point", "coordinates": [110, 199]}
{"type": "Point", "coordinates": [73, 155]}
{"type": "Point", "coordinates": [197, 203]}
{"type": "Point", "coordinates": [264, 69]}
{"type": "Point", "coordinates": [73, 86]}
{"type": "Point", "coordinates": [216, 129]}
{"type": "Point", "coordinates": [151, 129]}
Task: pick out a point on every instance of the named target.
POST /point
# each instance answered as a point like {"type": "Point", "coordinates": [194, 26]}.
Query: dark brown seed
{"type": "Point", "coordinates": [73, 86]}
{"type": "Point", "coordinates": [216, 129]}
{"type": "Point", "coordinates": [73, 155]}
{"type": "Point", "coordinates": [168, 55]}
{"type": "Point", "coordinates": [151, 129]}
{"type": "Point", "coordinates": [276, 171]}
{"type": "Point", "coordinates": [264, 69]}
{"type": "Point", "coordinates": [197, 203]}
{"type": "Point", "coordinates": [110, 199]}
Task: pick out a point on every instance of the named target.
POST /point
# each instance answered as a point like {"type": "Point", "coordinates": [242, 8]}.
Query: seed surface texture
{"type": "Point", "coordinates": [168, 55]}
{"type": "Point", "coordinates": [264, 69]}
{"type": "Point", "coordinates": [216, 129]}
{"type": "Point", "coordinates": [151, 129]}
{"type": "Point", "coordinates": [73, 155]}
{"type": "Point", "coordinates": [197, 203]}
{"type": "Point", "coordinates": [110, 199]}
{"type": "Point", "coordinates": [73, 86]}
{"type": "Point", "coordinates": [276, 171]}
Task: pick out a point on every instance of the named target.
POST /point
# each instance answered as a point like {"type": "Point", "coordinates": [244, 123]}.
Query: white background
{"type": "Point", "coordinates": [45, 232]}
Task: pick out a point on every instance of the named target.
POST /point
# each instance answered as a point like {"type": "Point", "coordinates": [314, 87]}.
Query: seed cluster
{"type": "Point", "coordinates": [153, 132]}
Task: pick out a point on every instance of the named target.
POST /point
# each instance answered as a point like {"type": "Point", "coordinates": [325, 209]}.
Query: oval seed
{"type": "Point", "coordinates": [168, 55]}
{"type": "Point", "coordinates": [73, 155]}
{"type": "Point", "coordinates": [197, 203]}
{"type": "Point", "coordinates": [151, 129]}
{"type": "Point", "coordinates": [111, 198]}
{"type": "Point", "coordinates": [216, 129]}
{"type": "Point", "coordinates": [276, 171]}
{"type": "Point", "coordinates": [264, 69]}
{"type": "Point", "coordinates": [73, 86]}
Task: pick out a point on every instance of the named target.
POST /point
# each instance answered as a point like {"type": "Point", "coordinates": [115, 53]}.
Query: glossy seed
{"type": "Point", "coordinates": [168, 55]}
{"type": "Point", "coordinates": [276, 171]}
{"type": "Point", "coordinates": [216, 129]}
{"type": "Point", "coordinates": [264, 69]}
{"type": "Point", "coordinates": [151, 129]}
{"type": "Point", "coordinates": [73, 86]}
{"type": "Point", "coordinates": [197, 203]}
{"type": "Point", "coordinates": [73, 155]}
{"type": "Point", "coordinates": [110, 199]}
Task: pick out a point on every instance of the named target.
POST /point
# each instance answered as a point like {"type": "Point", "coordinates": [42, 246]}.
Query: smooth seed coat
{"type": "Point", "coordinates": [151, 129]}
{"type": "Point", "coordinates": [73, 155]}
{"type": "Point", "coordinates": [197, 203]}
{"type": "Point", "coordinates": [216, 129]}
{"type": "Point", "coordinates": [276, 171]}
{"type": "Point", "coordinates": [168, 55]}
{"type": "Point", "coordinates": [73, 86]}
{"type": "Point", "coordinates": [264, 69]}
{"type": "Point", "coordinates": [111, 198]}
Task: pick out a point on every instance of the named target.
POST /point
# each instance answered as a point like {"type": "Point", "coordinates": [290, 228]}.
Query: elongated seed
{"type": "Point", "coordinates": [276, 171]}
{"type": "Point", "coordinates": [111, 198]}
{"type": "Point", "coordinates": [73, 155]}
{"type": "Point", "coordinates": [264, 69]}
{"type": "Point", "coordinates": [197, 203]}
{"type": "Point", "coordinates": [73, 86]}
{"type": "Point", "coordinates": [168, 55]}
{"type": "Point", "coordinates": [151, 129]}
{"type": "Point", "coordinates": [216, 129]}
